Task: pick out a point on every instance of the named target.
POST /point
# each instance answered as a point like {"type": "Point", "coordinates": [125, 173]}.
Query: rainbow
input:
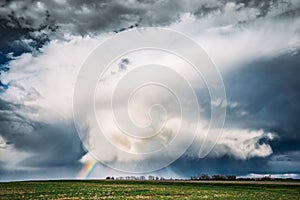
{"type": "Point", "coordinates": [86, 170]}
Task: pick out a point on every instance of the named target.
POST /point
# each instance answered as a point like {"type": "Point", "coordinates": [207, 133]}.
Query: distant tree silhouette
{"type": "Point", "coordinates": [215, 177]}
{"type": "Point", "coordinates": [205, 177]}
{"type": "Point", "coordinates": [231, 177]}
{"type": "Point", "coordinates": [266, 178]}
{"type": "Point", "coordinates": [218, 177]}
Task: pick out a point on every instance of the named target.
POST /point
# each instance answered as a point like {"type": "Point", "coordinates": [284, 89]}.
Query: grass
{"type": "Point", "coordinates": [100, 189]}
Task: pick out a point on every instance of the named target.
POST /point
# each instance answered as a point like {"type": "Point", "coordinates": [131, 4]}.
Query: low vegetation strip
{"type": "Point", "coordinates": [100, 189]}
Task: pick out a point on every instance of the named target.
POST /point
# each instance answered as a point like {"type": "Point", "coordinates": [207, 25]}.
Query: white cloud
{"type": "Point", "coordinates": [231, 44]}
{"type": "Point", "coordinates": [45, 82]}
{"type": "Point", "coordinates": [243, 144]}
{"type": "Point", "coordinates": [284, 175]}
{"type": "Point", "coordinates": [47, 79]}
{"type": "Point", "coordinates": [39, 98]}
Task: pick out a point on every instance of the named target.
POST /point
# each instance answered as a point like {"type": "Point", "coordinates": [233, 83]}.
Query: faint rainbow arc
{"type": "Point", "coordinates": [87, 169]}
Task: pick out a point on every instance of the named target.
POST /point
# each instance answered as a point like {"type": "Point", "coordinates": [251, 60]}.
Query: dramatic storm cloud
{"type": "Point", "coordinates": [255, 45]}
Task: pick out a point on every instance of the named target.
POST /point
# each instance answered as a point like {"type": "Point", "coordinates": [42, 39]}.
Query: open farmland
{"type": "Point", "coordinates": [100, 189]}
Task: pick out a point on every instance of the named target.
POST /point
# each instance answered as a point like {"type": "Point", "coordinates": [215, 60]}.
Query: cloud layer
{"type": "Point", "coordinates": [253, 43]}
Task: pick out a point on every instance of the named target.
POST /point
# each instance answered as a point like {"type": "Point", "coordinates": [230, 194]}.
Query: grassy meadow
{"type": "Point", "coordinates": [100, 189]}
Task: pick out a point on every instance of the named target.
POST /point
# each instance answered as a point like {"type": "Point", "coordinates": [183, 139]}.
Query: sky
{"type": "Point", "coordinates": [254, 45]}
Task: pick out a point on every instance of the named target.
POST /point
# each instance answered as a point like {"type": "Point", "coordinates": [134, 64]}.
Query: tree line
{"type": "Point", "coordinates": [214, 177]}
{"type": "Point", "coordinates": [233, 178]}
{"type": "Point", "coordinates": [230, 177]}
{"type": "Point", "coordinates": [137, 178]}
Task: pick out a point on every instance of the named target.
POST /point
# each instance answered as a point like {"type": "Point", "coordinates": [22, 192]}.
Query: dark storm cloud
{"type": "Point", "coordinates": [49, 145]}
{"type": "Point", "coordinates": [263, 6]}
{"type": "Point", "coordinates": [52, 144]}
{"type": "Point", "coordinates": [187, 167]}
{"type": "Point", "coordinates": [289, 162]}
{"type": "Point", "coordinates": [82, 17]}
{"type": "Point", "coordinates": [92, 17]}
{"type": "Point", "coordinates": [268, 91]}
{"type": "Point", "coordinates": [47, 173]}
{"type": "Point", "coordinates": [25, 26]}
{"type": "Point", "coordinates": [19, 32]}
{"type": "Point", "coordinates": [32, 19]}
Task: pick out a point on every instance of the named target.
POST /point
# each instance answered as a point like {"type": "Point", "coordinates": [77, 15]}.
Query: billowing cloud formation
{"type": "Point", "coordinates": [243, 144]}
{"type": "Point", "coordinates": [36, 110]}
{"type": "Point", "coordinates": [41, 95]}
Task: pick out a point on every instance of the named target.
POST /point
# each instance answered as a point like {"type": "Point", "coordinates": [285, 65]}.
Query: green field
{"type": "Point", "coordinates": [145, 190]}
